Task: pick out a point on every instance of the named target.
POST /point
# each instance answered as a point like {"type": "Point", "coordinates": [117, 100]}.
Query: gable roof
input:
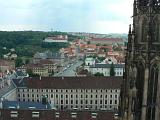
{"type": "Point", "coordinates": [70, 82]}
{"type": "Point", "coordinates": [107, 66]}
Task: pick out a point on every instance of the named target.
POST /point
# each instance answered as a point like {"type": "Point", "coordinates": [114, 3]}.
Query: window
{"type": "Point", "coordinates": [91, 96]}
{"type": "Point", "coordinates": [57, 114]}
{"type": "Point", "coordinates": [71, 101]}
{"type": "Point", "coordinates": [110, 96]}
{"type": "Point", "coordinates": [56, 96]}
{"type": "Point", "coordinates": [76, 101]}
{"type": "Point", "coordinates": [96, 96]}
{"type": "Point", "coordinates": [66, 101]}
{"type": "Point", "coordinates": [95, 101]}
{"type": "Point", "coordinates": [14, 114]}
{"type": "Point", "coordinates": [61, 101]}
{"type": "Point", "coordinates": [115, 96]}
{"type": "Point", "coordinates": [94, 115]}
{"type": "Point", "coordinates": [61, 96]}
{"type": "Point", "coordinates": [86, 96]}
{"type": "Point", "coordinates": [81, 101]}
{"type": "Point", "coordinates": [106, 96]}
{"type": "Point", "coordinates": [71, 96]}
{"type": "Point", "coordinates": [100, 101]}
{"type": "Point", "coordinates": [105, 101]}
{"type": "Point", "coordinates": [90, 101]}
{"type": "Point", "coordinates": [35, 114]}
{"type": "Point", "coordinates": [101, 96]}
{"type": "Point", "coordinates": [86, 102]}
{"type": "Point", "coordinates": [51, 95]}
{"type": "Point", "coordinates": [115, 101]}
{"type": "Point", "coordinates": [110, 101]}
{"type": "Point", "coordinates": [66, 96]}
{"type": "Point", "coordinates": [74, 115]}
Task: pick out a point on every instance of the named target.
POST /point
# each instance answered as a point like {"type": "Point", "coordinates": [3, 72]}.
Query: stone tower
{"type": "Point", "coordinates": [140, 93]}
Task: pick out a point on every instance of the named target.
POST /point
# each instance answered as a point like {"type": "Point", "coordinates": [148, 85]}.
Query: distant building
{"type": "Point", "coordinates": [37, 69]}
{"type": "Point", "coordinates": [68, 93]}
{"type": "Point", "coordinates": [58, 39]}
{"type": "Point", "coordinates": [105, 69]}
{"type": "Point", "coordinates": [6, 65]}
{"type": "Point", "coordinates": [107, 41]}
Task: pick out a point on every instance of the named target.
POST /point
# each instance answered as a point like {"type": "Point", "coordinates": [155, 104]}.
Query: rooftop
{"type": "Point", "coordinates": [24, 105]}
{"type": "Point", "coordinates": [107, 39]}
{"type": "Point", "coordinates": [70, 82]}
{"type": "Point", "coordinates": [107, 66]}
{"type": "Point", "coordinates": [10, 114]}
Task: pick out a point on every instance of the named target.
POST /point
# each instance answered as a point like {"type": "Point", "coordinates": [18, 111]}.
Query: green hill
{"type": "Point", "coordinates": [26, 43]}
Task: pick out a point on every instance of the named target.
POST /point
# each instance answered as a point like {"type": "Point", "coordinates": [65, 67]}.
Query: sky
{"type": "Point", "coordinates": [96, 16]}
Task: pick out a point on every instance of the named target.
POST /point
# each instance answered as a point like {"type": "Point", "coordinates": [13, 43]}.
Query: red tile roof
{"type": "Point", "coordinates": [50, 115]}
{"type": "Point", "coordinates": [73, 82]}
{"type": "Point", "coordinates": [107, 39]}
{"type": "Point", "coordinates": [45, 61]}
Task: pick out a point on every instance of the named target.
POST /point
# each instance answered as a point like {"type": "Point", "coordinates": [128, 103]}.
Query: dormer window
{"type": "Point", "coordinates": [14, 114]}
{"type": "Point", "coordinates": [74, 115]}
{"type": "Point", "coordinates": [93, 115]}
{"type": "Point", "coordinates": [35, 114]}
{"type": "Point", "coordinates": [57, 114]}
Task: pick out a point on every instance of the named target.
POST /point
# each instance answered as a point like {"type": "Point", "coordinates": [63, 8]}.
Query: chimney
{"type": "Point", "coordinates": [1, 104]}
{"type": "Point", "coordinates": [18, 106]}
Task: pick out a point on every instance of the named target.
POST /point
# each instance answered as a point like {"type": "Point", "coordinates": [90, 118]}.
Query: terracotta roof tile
{"type": "Point", "coordinates": [71, 82]}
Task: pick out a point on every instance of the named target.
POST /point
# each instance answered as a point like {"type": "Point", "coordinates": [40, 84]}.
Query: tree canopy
{"type": "Point", "coordinates": [112, 71]}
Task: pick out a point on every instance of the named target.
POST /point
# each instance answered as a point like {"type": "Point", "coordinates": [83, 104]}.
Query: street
{"type": "Point", "coordinates": [70, 70]}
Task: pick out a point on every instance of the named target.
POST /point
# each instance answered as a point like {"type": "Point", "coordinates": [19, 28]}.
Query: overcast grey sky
{"type": "Point", "coordinates": [100, 16]}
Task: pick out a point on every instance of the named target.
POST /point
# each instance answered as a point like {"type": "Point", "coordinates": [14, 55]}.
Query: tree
{"type": "Point", "coordinates": [18, 62]}
{"type": "Point", "coordinates": [112, 72]}
{"type": "Point", "coordinates": [101, 58]}
{"type": "Point", "coordinates": [26, 61]}
{"type": "Point", "coordinates": [98, 74]}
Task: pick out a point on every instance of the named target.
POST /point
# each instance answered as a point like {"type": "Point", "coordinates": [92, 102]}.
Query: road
{"type": "Point", "coordinates": [70, 71]}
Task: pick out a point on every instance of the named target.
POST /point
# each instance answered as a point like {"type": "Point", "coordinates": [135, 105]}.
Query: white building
{"type": "Point", "coordinates": [105, 69]}
{"type": "Point", "coordinates": [80, 93]}
{"type": "Point", "coordinates": [89, 61]}
{"type": "Point", "coordinates": [58, 38]}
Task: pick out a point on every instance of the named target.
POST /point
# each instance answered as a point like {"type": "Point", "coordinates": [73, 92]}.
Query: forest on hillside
{"type": "Point", "coordinates": [26, 43]}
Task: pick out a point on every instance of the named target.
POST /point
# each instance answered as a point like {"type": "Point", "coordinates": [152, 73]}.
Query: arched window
{"type": "Point", "coordinates": [155, 30]}
{"type": "Point", "coordinates": [152, 92]}
{"type": "Point", "coordinates": [139, 86]}
{"type": "Point", "coordinates": [144, 30]}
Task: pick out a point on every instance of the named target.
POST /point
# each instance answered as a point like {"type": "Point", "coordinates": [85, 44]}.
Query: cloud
{"type": "Point", "coordinates": [67, 15]}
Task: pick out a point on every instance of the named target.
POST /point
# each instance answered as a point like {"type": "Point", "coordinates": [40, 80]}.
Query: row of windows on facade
{"type": "Point", "coordinates": [81, 101]}
{"type": "Point", "coordinates": [71, 96]}
{"type": "Point", "coordinates": [62, 90]}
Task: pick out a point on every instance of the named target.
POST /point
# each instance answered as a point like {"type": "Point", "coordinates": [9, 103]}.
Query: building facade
{"type": "Point", "coordinates": [57, 39]}
{"type": "Point", "coordinates": [68, 93]}
{"type": "Point", "coordinates": [105, 69]}
{"type": "Point", "coordinates": [140, 93]}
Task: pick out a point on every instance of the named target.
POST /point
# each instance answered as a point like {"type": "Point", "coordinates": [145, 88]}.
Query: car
{"type": "Point", "coordinates": [65, 68]}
